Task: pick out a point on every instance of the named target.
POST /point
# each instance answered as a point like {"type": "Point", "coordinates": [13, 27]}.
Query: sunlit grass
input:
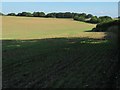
{"type": "Point", "coordinates": [38, 28]}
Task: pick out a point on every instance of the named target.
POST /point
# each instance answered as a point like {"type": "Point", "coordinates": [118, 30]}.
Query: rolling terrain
{"type": "Point", "coordinates": [38, 28]}
{"type": "Point", "coordinates": [47, 52]}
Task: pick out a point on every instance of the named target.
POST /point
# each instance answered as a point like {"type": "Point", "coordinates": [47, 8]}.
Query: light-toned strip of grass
{"type": "Point", "coordinates": [94, 35]}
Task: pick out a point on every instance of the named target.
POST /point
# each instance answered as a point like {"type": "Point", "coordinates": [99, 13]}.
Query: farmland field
{"type": "Point", "coordinates": [37, 28]}
{"type": "Point", "coordinates": [46, 52]}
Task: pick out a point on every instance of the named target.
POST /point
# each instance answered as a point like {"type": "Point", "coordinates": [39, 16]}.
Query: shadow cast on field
{"type": "Point", "coordinates": [57, 62]}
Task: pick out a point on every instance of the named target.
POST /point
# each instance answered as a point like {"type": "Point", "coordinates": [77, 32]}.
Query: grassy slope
{"type": "Point", "coordinates": [27, 27]}
{"type": "Point", "coordinates": [59, 62]}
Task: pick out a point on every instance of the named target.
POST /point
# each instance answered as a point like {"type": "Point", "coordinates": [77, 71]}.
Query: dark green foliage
{"type": "Point", "coordinates": [11, 14]}
{"type": "Point", "coordinates": [82, 15]}
{"type": "Point", "coordinates": [79, 18]}
{"type": "Point", "coordinates": [102, 27]}
{"type": "Point", "coordinates": [23, 14]}
{"type": "Point", "coordinates": [76, 16]}
{"type": "Point", "coordinates": [67, 15]}
{"type": "Point", "coordinates": [52, 15]}
{"type": "Point", "coordinates": [60, 15]}
{"type": "Point", "coordinates": [104, 19]}
{"type": "Point", "coordinates": [27, 14]}
{"type": "Point", "coordinates": [89, 16]}
{"type": "Point", "coordinates": [38, 14]}
{"type": "Point", "coordinates": [19, 14]}
{"type": "Point", "coordinates": [94, 19]}
{"type": "Point", "coordinates": [64, 15]}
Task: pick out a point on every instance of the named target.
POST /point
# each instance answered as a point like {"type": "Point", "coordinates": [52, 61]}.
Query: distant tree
{"type": "Point", "coordinates": [60, 15]}
{"type": "Point", "coordinates": [36, 14]}
{"type": "Point", "coordinates": [89, 16]}
{"type": "Point", "coordinates": [24, 14]}
{"type": "Point", "coordinates": [39, 14]}
{"type": "Point", "coordinates": [94, 20]}
{"type": "Point", "coordinates": [19, 14]}
{"type": "Point", "coordinates": [81, 18]}
{"type": "Point", "coordinates": [74, 14]}
{"type": "Point", "coordinates": [76, 17]}
{"type": "Point", "coordinates": [11, 14]}
{"type": "Point", "coordinates": [42, 14]}
{"type": "Point", "coordinates": [82, 15]}
{"type": "Point", "coordinates": [1, 14]}
{"type": "Point", "coordinates": [104, 19]}
{"type": "Point", "coordinates": [67, 15]}
{"type": "Point", "coordinates": [103, 27]}
{"type": "Point", "coordinates": [53, 15]}
{"type": "Point", "coordinates": [27, 14]}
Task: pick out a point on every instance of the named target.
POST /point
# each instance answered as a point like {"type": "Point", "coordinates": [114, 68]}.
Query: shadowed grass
{"type": "Point", "coordinates": [58, 62]}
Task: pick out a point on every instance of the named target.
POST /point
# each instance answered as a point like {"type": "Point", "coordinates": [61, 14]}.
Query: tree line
{"type": "Point", "coordinates": [75, 16]}
{"type": "Point", "coordinates": [104, 27]}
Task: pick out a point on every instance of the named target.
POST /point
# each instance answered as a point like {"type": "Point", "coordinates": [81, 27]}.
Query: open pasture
{"type": "Point", "coordinates": [49, 52]}
{"type": "Point", "coordinates": [38, 28]}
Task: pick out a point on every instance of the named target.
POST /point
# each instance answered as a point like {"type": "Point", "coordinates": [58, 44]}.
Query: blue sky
{"type": "Point", "coordinates": [95, 8]}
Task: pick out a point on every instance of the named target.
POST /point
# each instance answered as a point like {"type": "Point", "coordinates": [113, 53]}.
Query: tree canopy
{"type": "Point", "coordinates": [102, 27]}
{"type": "Point", "coordinates": [38, 14]}
{"type": "Point", "coordinates": [27, 14]}
{"type": "Point", "coordinates": [75, 16]}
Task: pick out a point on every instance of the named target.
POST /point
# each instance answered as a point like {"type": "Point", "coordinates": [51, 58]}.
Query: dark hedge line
{"type": "Point", "coordinates": [103, 27]}
{"type": "Point", "coordinates": [75, 16]}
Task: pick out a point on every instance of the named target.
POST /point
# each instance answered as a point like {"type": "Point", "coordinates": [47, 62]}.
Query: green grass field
{"type": "Point", "coordinates": [46, 52]}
